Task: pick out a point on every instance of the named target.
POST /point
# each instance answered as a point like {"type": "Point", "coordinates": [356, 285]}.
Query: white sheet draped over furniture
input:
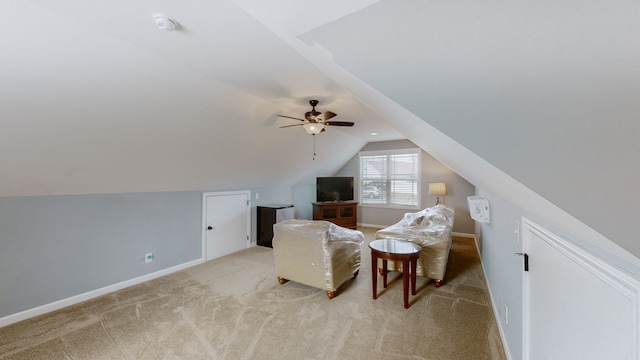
{"type": "Point", "coordinates": [316, 253]}
{"type": "Point", "coordinates": [431, 230]}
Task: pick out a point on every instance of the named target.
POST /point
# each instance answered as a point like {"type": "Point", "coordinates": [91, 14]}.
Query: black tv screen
{"type": "Point", "coordinates": [334, 188]}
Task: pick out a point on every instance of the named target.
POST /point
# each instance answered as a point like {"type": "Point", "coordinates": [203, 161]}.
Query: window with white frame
{"type": "Point", "coordinates": [390, 178]}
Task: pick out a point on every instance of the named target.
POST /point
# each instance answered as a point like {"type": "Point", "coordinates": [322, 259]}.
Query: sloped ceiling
{"type": "Point", "coordinates": [95, 99]}
{"type": "Point", "coordinates": [548, 92]}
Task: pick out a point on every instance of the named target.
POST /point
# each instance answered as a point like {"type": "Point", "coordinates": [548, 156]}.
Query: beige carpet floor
{"type": "Point", "coordinates": [234, 308]}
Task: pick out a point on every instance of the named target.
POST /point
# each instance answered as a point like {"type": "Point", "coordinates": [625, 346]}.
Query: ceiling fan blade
{"type": "Point", "coordinates": [325, 116]}
{"type": "Point", "coordinates": [286, 126]}
{"type": "Point", "coordinates": [339, 123]}
{"type": "Point", "coordinates": [291, 117]}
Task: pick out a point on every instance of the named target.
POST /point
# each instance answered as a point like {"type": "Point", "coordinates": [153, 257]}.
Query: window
{"type": "Point", "coordinates": [390, 178]}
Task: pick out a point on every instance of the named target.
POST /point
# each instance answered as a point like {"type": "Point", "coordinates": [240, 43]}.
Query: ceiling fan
{"type": "Point", "coordinates": [315, 121]}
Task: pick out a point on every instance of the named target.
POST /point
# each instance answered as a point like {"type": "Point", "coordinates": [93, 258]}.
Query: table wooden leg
{"type": "Point", "coordinates": [405, 283]}
{"type": "Point", "coordinates": [374, 276]}
{"type": "Point", "coordinates": [384, 273]}
{"type": "Point", "coordinates": [414, 264]}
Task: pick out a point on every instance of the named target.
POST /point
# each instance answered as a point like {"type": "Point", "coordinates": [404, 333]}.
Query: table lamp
{"type": "Point", "coordinates": [437, 189]}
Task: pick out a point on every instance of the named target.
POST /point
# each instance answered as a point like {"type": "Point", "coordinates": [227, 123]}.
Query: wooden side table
{"type": "Point", "coordinates": [395, 250]}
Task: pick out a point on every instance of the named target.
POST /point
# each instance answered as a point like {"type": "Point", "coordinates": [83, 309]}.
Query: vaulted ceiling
{"type": "Point", "coordinates": [96, 99]}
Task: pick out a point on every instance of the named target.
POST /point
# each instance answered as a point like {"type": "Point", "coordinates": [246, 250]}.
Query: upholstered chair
{"type": "Point", "coordinates": [431, 230]}
{"type": "Point", "coordinates": [316, 253]}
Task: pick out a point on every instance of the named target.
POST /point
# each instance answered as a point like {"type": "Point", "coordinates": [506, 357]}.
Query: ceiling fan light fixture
{"type": "Point", "coordinates": [315, 121]}
{"type": "Point", "coordinates": [313, 128]}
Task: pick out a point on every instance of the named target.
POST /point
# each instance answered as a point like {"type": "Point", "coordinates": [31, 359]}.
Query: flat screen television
{"type": "Point", "coordinates": [335, 188]}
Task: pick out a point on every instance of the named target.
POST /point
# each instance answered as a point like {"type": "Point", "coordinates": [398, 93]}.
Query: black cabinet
{"type": "Point", "coordinates": [267, 215]}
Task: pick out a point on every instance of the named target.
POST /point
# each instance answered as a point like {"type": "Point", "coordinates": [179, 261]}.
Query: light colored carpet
{"type": "Point", "coordinates": [234, 308]}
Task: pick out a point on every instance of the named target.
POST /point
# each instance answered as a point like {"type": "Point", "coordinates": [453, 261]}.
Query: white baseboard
{"type": "Point", "coordinates": [464, 235]}
{"type": "Point", "coordinates": [26, 314]}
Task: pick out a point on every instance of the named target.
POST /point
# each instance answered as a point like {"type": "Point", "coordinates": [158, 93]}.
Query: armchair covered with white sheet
{"type": "Point", "coordinates": [431, 230]}
{"type": "Point", "coordinates": [316, 253]}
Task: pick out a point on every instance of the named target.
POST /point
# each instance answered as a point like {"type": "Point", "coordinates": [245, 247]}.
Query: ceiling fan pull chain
{"type": "Point", "coordinates": [314, 147]}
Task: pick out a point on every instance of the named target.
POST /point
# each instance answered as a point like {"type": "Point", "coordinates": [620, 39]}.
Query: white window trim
{"type": "Point", "coordinates": [417, 151]}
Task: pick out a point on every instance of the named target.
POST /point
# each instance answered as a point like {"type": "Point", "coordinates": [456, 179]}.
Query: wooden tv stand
{"type": "Point", "coordinates": [342, 213]}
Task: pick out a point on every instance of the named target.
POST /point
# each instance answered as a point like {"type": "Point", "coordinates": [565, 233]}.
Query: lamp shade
{"type": "Point", "coordinates": [437, 189]}
{"type": "Point", "coordinates": [313, 128]}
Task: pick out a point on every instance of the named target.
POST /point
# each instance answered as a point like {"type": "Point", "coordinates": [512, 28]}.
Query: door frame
{"type": "Point", "coordinates": [204, 216]}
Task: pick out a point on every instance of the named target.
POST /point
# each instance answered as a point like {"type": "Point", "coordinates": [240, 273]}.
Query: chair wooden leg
{"type": "Point", "coordinates": [282, 280]}
{"type": "Point", "coordinates": [355, 274]}
{"type": "Point", "coordinates": [331, 294]}
{"type": "Point", "coordinates": [438, 283]}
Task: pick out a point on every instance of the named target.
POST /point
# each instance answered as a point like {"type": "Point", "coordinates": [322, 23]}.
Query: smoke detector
{"type": "Point", "coordinates": [163, 22]}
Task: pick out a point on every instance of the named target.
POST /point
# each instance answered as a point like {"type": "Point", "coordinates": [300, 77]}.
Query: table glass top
{"type": "Point", "coordinates": [394, 246]}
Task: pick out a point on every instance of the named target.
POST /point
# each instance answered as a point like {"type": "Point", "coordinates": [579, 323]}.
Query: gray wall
{"type": "Point", "coordinates": [55, 247]}
{"type": "Point", "coordinates": [503, 270]}
{"type": "Point", "coordinates": [432, 171]}
{"type": "Point", "coordinates": [304, 194]}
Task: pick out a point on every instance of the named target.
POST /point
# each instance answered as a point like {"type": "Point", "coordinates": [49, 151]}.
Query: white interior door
{"type": "Point", "coordinates": [227, 223]}
{"type": "Point", "coordinates": [576, 306]}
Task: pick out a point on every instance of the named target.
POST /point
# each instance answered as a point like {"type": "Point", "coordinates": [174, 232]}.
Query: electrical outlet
{"type": "Point", "coordinates": [257, 196]}
{"type": "Point", "coordinates": [148, 258]}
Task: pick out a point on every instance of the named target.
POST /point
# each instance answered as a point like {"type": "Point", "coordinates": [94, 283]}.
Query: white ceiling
{"type": "Point", "coordinates": [95, 99]}
{"type": "Point", "coordinates": [91, 89]}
